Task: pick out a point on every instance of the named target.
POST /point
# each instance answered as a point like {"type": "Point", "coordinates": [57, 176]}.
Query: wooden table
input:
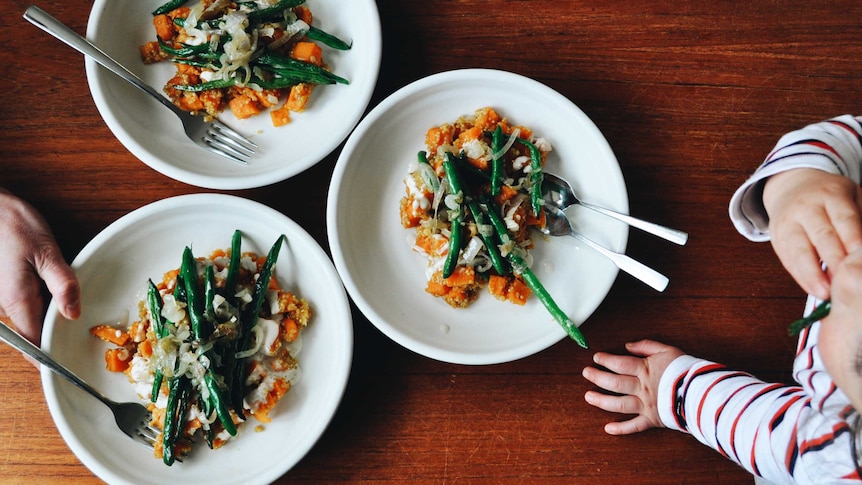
{"type": "Point", "coordinates": [690, 95]}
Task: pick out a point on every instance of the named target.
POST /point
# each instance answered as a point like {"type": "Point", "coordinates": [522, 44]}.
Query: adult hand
{"type": "Point", "coordinates": [30, 256]}
{"type": "Point", "coordinates": [634, 383]}
{"type": "Point", "coordinates": [814, 220]}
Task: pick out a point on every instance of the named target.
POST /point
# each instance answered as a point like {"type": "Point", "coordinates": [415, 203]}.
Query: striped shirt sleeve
{"type": "Point", "coordinates": [833, 145]}
{"type": "Point", "coordinates": [802, 433]}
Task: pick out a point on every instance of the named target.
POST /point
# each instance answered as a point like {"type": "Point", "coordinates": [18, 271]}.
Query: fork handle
{"type": "Point", "coordinates": [15, 340]}
{"type": "Point", "coordinates": [631, 266]}
{"type": "Point", "coordinates": [673, 235]}
{"type": "Point", "coordinates": [49, 24]}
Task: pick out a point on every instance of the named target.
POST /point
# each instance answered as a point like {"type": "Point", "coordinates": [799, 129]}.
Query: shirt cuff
{"type": "Point", "coordinates": [671, 409]}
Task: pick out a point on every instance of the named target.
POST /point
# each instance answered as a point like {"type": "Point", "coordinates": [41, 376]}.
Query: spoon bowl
{"type": "Point", "coordinates": [556, 191]}
{"type": "Point", "coordinates": [558, 224]}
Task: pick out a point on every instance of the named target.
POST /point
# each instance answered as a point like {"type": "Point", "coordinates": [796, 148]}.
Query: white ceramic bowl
{"type": "Point", "coordinates": [113, 270]}
{"type": "Point", "coordinates": [372, 251]}
{"type": "Point", "coordinates": [154, 135]}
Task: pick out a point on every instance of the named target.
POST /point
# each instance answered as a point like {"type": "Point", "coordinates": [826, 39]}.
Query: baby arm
{"type": "Point", "coordinates": [808, 215]}
{"type": "Point", "coordinates": [769, 429]}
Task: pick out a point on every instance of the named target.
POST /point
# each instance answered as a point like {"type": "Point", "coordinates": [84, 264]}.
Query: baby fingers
{"type": "Point", "coordinates": [631, 426]}
{"type": "Point", "coordinates": [610, 381]}
{"type": "Point", "coordinates": [616, 404]}
{"type": "Point", "coordinates": [621, 364]}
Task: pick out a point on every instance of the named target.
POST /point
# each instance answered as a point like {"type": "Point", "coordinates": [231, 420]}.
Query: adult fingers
{"type": "Point", "coordinates": [59, 279]}
{"type": "Point", "coordinates": [21, 304]}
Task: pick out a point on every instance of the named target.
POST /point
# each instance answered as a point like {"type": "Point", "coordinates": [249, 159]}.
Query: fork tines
{"type": "Point", "coordinates": [224, 141]}
{"type": "Point", "coordinates": [147, 434]}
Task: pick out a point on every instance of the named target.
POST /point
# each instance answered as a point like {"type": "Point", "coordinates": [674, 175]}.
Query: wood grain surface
{"type": "Point", "coordinates": [690, 95]}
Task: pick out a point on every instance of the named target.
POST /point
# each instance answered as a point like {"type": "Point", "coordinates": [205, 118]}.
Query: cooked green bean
{"type": "Point", "coordinates": [173, 417]}
{"type": "Point", "coordinates": [233, 269]}
{"type": "Point", "coordinates": [194, 303]}
{"type": "Point", "coordinates": [493, 251]}
{"type": "Point", "coordinates": [197, 88]}
{"type": "Point", "coordinates": [296, 69]}
{"type": "Point", "coordinates": [274, 11]}
{"type": "Point", "coordinates": [169, 6]}
{"type": "Point", "coordinates": [201, 51]}
{"type": "Point", "coordinates": [327, 39]}
{"type": "Point", "coordinates": [154, 300]}
{"type": "Point", "coordinates": [248, 319]}
{"type": "Point", "coordinates": [208, 405]}
{"type": "Point", "coordinates": [497, 161]}
{"type": "Point", "coordinates": [218, 402]}
{"type": "Point", "coordinates": [200, 329]}
{"type": "Point", "coordinates": [264, 69]}
{"type": "Point", "coordinates": [455, 230]}
{"type": "Point", "coordinates": [519, 266]}
{"type": "Point", "coordinates": [536, 176]}
{"type": "Point", "coordinates": [209, 295]}
{"type": "Point", "coordinates": [262, 283]}
{"type": "Point", "coordinates": [818, 313]}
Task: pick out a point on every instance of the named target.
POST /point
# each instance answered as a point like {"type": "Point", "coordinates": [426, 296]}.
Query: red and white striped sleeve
{"type": "Point", "coordinates": [833, 145]}
{"type": "Point", "coordinates": [803, 433]}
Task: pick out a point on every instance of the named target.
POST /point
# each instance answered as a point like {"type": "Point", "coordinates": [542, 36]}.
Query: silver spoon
{"type": "Point", "coordinates": [558, 224]}
{"type": "Point", "coordinates": [558, 192]}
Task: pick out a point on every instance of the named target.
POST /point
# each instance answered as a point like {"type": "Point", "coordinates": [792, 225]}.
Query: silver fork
{"type": "Point", "coordinates": [557, 191]}
{"type": "Point", "coordinates": [558, 224]}
{"type": "Point", "coordinates": [132, 418]}
{"type": "Point", "coordinates": [214, 136]}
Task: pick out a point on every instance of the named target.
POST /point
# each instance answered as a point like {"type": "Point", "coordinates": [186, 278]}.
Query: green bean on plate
{"type": "Point", "coordinates": [472, 198]}
{"type": "Point", "coordinates": [215, 342]}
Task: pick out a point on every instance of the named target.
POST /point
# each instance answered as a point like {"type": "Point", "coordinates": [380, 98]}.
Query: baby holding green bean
{"type": "Point", "coordinates": [805, 198]}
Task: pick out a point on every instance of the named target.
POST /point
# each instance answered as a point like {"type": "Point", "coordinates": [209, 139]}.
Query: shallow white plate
{"type": "Point", "coordinates": [113, 270]}
{"type": "Point", "coordinates": [154, 134]}
{"type": "Point", "coordinates": [372, 250]}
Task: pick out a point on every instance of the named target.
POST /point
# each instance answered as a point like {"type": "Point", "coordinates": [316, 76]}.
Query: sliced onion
{"type": "Point", "coordinates": [474, 245]}
{"type": "Point", "coordinates": [294, 30]}
{"type": "Point", "coordinates": [521, 162]}
{"type": "Point", "coordinates": [511, 224]}
{"type": "Point", "coordinates": [438, 194]}
{"type": "Point", "coordinates": [482, 262]}
{"type": "Point", "coordinates": [258, 341]}
{"type": "Point", "coordinates": [452, 201]}
{"type": "Point", "coordinates": [543, 144]}
{"type": "Point", "coordinates": [429, 176]}
{"type": "Point", "coordinates": [511, 141]}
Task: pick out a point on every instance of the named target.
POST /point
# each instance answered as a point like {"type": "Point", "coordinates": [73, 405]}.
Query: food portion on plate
{"type": "Point", "coordinates": [215, 342]}
{"type": "Point", "coordinates": [472, 199]}
{"type": "Point", "coordinates": [246, 56]}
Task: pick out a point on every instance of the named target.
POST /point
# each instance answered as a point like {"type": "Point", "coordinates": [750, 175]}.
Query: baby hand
{"type": "Point", "coordinates": [814, 218]}
{"type": "Point", "coordinates": [840, 338]}
{"type": "Point", "coordinates": [636, 379]}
